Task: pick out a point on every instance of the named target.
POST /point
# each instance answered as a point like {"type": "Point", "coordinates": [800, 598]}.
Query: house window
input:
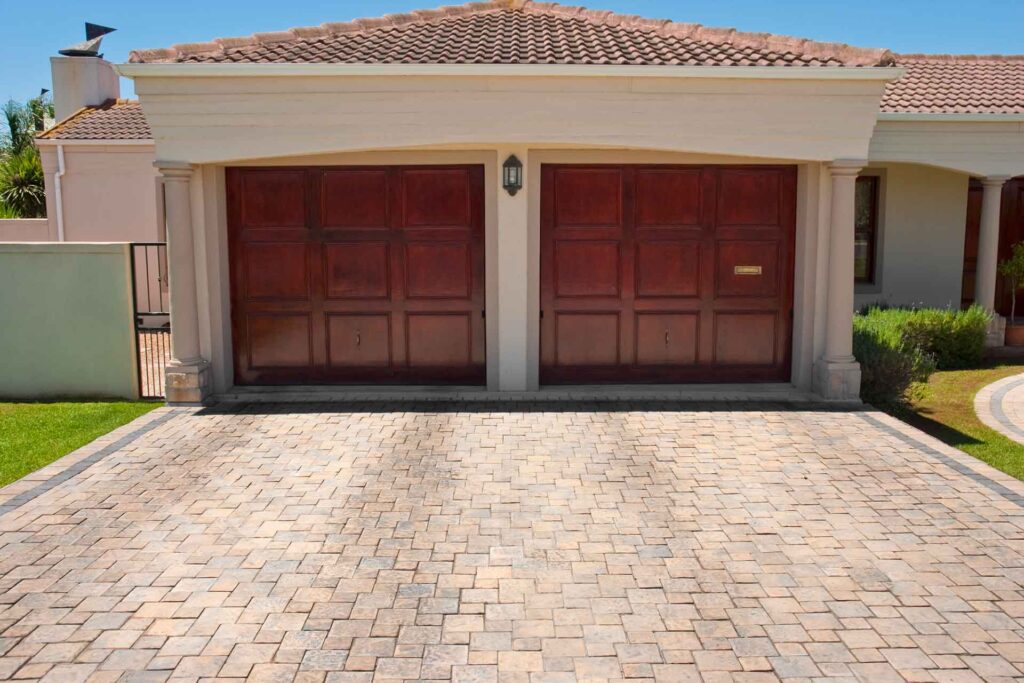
{"type": "Point", "coordinates": [865, 229]}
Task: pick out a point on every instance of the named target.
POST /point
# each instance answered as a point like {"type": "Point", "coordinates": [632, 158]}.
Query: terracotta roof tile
{"type": "Point", "coordinates": [957, 84]}
{"type": "Point", "coordinates": [112, 120]}
{"type": "Point", "coordinates": [516, 32]}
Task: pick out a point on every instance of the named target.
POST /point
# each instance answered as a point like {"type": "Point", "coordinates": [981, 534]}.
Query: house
{"type": "Point", "coordinates": [101, 185]}
{"type": "Point", "coordinates": [516, 194]}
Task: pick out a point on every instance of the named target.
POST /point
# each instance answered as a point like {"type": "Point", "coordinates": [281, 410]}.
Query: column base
{"type": "Point", "coordinates": [187, 383]}
{"type": "Point", "coordinates": [837, 380]}
{"type": "Point", "coordinates": [995, 335]}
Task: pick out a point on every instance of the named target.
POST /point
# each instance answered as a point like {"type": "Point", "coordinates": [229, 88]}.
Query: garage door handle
{"type": "Point", "coordinates": [359, 339]}
{"type": "Point", "coordinates": [666, 337]}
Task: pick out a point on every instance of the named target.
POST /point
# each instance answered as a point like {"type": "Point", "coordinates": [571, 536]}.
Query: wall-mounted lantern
{"type": "Point", "coordinates": [512, 175]}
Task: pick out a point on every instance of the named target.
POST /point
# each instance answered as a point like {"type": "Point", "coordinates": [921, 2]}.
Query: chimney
{"type": "Point", "coordinates": [81, 77]}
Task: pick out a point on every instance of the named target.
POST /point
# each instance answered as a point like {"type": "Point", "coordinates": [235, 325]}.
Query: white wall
{"type": "Point", "coordinates": [977, 147]}
{"type": "Point", "coordinates": [920, 248]}
{"type": "Point", "coordinates": [109, 193]}
{"type": "Point", "coordinates": [224, 120]}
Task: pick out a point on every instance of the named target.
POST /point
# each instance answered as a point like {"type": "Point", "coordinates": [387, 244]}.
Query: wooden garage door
{"type": "Point", "coordinates": [666, 274]}
{"type": "Point", "coordinates": [357, 275]}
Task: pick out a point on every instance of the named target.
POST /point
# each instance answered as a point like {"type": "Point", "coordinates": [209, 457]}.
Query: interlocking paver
{"type": "Point", "coordinates": [533, 543]}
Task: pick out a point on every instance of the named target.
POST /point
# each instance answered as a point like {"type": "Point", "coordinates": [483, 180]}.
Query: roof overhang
{"type": "Point", "coordinates": [92, 142]}
{"type": "Point", "coordinates": [951, 118]}
{"type": "Point", "coordinates": [817, 73]}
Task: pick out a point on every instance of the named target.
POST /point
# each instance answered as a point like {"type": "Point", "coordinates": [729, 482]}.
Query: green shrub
{"type": "Point", "coordinates": [889, 365]}
{"type": "Point", "coordinates": [955, 339]}
{"type": "Point", "coordinates": [7, 212]}
{"type": "Point", "coordinates": [898, 347]}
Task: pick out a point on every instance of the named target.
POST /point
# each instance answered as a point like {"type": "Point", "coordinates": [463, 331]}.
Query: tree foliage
{"type": "Point", "coordinates": [1013, 269]}
{"type": "Point", "coordinates": [22, 190]}
{"type": "Point", "coordinates": [21, 184]}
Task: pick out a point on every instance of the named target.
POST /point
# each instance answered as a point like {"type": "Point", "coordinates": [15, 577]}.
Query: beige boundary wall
{"type": "Point", "coordinates": [66, 327]}
{"type": "Point", "coordinates": [24, 230]}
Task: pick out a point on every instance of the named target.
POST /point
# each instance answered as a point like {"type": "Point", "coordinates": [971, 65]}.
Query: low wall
{"type": "Point", "coordinates": [24, 230]}
{"type": "Point", "coordinates": [66, 321]}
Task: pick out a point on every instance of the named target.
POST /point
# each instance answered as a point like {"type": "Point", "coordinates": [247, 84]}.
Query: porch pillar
{"type": "Point", "coordinates": [988, 257]}
{"type": "Point", "coordinates": [513, 278]}
{"type": "Point", "coordinates": [837, 373]}
{"type": "Point", "coordinates": [187, 374]}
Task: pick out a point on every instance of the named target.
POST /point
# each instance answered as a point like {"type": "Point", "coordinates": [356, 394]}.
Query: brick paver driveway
{"type": "Point", "coordinates": [545, 545]}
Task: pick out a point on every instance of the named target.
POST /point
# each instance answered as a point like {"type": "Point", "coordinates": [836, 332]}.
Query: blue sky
{"type": "Point", "coordinates": [35, 30]}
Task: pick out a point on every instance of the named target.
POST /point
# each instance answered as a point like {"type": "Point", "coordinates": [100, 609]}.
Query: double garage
{"type": "Point", "coordinates": [376, 274]}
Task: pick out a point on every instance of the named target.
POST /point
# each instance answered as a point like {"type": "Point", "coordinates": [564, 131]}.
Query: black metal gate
{"type": "Point", "coordinates": [152, 317]}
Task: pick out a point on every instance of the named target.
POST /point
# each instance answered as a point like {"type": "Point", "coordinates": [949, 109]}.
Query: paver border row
{"type": "Point", "coordinates": [75, 466]}
{"type": "Point", "coordinates": [988, 406]}
{"type": "Point", "coordinates": [978, 471]}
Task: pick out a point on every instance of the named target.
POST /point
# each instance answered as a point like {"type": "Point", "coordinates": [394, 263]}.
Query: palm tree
{"type": "Point", "coordinates": [22, 192]}
{"type": "Point", "coordinates": [19, 128]}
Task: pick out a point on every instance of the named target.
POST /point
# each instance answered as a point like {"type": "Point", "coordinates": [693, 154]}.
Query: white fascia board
{"type": "Point", "coordinates": [951, 118]}
{"type": "Point", "coordinates": [817, 73]}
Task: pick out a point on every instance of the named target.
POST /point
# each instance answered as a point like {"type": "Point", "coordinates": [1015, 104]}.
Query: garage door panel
{"type": "Point", "coordinates": [438, 270]}
{"type": "Point", "coordinates": [748, 268]}
{"type": "Point", "coordinates": [668, 269]}
{"type": "Point", "coordinates": [703, 265]}
{"type": "Point", "coordinates": [436, 198]}
{"type": "Point", "coordinates": [273, 199]}
{"type": "Point", "coordinates": [382, 280]}
{"type": "Point", "coordinates": [360, 341]}
{"type": "Point", "coordinates": [749, 197]}
{"type": "Point", "coordinates": [585, 338]}
{"type": "Point", "coordinates": [745, 338]}
{"type": "Point", "coordinates": [356, 198]}
{"type": "Point", "coordinates": [587, 268]}
{"type": "Point", "coordinates": [279, 340]}
{"type": "Point", "coordinates": [666, 338]}
{"type": "Point", "coordinates": [439, 340]}
{"type": "Point", "coordinates": [357, 270]}
{"type": "Point", "coordinates": [276, 271]}
{"type": "Point", "coordinates": [668, 197]}
{"type": "Point", "coordinates": [588, 197]}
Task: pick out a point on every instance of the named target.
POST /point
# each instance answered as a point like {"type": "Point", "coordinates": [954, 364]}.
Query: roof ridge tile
{"type": "Point", "coordinates": [810, 51]}
{"type": "Point", "coordinates": [968, 58]}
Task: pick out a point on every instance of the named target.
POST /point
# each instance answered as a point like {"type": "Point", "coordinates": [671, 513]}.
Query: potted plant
{"type": "Point", "coordinates": [1013, 269]}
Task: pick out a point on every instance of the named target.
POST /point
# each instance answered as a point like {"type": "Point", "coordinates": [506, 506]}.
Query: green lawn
{"type": "Point", "coordinates": [945, 409]}
{"type": "Point", "coordinates": [32, 435]}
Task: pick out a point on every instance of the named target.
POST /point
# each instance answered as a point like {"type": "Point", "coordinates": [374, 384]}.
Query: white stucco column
{"type": "Point", "coordinates": [187, 375]}
{"type": "Point", "coordinates": [513, 272]}
{"type": "Point", "coordinates": [988, 256]}
{"type": "Point", "coordinates": [837, 373]}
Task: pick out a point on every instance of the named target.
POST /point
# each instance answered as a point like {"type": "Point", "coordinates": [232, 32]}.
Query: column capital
{"type": "Point", "coordinates": [994, 180]}
{"type": "Point", "coordinates": [846, 167]}
{"type": "Point", "coordinates": [174, 170]}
